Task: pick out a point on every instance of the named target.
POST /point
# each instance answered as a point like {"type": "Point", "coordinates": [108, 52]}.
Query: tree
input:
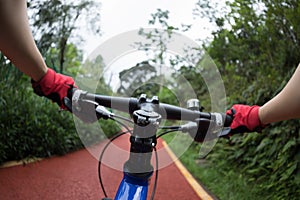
{"type": "Point", "coordinates": [54, 23]}
{"type": "Point", "coordinates": [159, 37]}
{"type": "Point", "coordinates": [90, 76]}
{"type": "Point", "coordinates": [257, 49]}
{"type": "Point", "coordinates": [73, 59]}
{"type": "Point", "coordinates": [135, 80]}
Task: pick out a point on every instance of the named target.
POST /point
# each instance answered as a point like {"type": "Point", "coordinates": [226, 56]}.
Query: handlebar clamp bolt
{"type": "Point", "coordinates": [155, 100]}
{"type": "Point", "coordinates": [143, 98]}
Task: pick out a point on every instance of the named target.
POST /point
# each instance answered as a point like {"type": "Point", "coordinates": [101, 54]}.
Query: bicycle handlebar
{"type": "Point", "coordinates": [146, 114]}
{"type": "Point", "coordinates": [129, 105]}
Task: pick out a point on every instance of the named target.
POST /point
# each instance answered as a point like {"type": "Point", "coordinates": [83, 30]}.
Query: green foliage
{"type": "Point", "coordinates": [54, 23]}
{"type": "Point", "coordinates": [159, 38]}
{"type": "Point", "coordinates": [256, 47]}
{"type": "Point", "coordinates": [257, 56]}
{"type": "Point", "coordinates": [90, 77]}
{"type": "Point", "coordinates": [194, 77]}
{"type": "Point", "coordinates": [72, 62]}
{"type": "Point", "coordinates": [31, 126]}
{"type": "Point", "coordinates": [138, 80]}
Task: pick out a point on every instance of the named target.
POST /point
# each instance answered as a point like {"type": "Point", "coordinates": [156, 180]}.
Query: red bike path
{"type": "Point", "coordinates": [75, 176]}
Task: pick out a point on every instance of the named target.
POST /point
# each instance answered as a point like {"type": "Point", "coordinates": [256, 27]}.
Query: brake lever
{"type": "Point", "coordinates": [103, 113]}
{"type": "Point", "coordinates": [84, 110]}
{"type": "Point", "coordinates": [197, 129]}
{"type": "Point", "coordinates": [208, 129]}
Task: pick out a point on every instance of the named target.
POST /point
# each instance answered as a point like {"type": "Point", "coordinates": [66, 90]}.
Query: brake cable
{"type": "Point", "coordinates": [101, 156]}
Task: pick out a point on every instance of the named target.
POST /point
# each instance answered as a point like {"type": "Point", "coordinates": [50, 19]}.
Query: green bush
{"type": "Point", "coordinates": [256, 59]}
{"type": "Point", "coordinates": [270, 160]}
{"type": "Point", "coordinates": [32, 126]}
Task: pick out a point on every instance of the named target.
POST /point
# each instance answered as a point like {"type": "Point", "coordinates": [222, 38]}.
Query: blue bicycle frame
{"type": "Point", "coordinates": [133, 188]}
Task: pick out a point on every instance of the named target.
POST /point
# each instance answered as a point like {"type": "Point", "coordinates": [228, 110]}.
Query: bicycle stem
{"type": "Point", "coordinates": [143, 139]}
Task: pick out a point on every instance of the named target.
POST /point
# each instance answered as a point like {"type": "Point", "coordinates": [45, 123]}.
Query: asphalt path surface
{"type": "Point", "coordinates": [75, 176]}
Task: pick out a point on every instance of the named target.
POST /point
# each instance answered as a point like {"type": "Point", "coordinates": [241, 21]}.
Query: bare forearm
{"type": "Point", "coordinates": [284, 106]}
{"type": "Point", "coordinates": [16, 41]}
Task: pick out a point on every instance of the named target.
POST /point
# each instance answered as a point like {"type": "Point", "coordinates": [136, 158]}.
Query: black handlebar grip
{"type": "Point", "coordinates": [71, 92]}
{"type": "Point", "coordinates": [228, 120]}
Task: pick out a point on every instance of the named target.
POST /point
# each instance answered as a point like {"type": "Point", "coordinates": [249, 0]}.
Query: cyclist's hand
{"type": "Point", "coordinates": [54, 86]}
{"type": "Point", "coordinates": [245, 119]}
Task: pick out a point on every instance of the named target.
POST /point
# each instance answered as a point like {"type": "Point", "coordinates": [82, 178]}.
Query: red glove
{"type": "Point", "coordinates": [54, 86]}
{"type": "Point", "coordinates": [245, 119]}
